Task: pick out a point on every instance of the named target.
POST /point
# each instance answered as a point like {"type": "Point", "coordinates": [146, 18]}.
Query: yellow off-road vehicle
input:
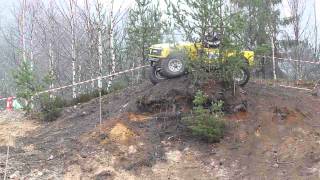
{"type": "Point", "coordinates": [169, 60]}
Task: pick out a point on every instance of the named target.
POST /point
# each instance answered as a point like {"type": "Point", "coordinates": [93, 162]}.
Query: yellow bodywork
{"type": "Point", "coordinates": [162, 51]}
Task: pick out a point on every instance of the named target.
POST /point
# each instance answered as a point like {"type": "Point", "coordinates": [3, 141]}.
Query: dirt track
{"type": "Point", "coordinates": [278, 138]}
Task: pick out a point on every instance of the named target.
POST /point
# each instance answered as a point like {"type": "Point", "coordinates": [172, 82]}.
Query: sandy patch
{"type": "Point", "coordinates": [138, 117]}
{"type": "Point", "coordinates": [13, 125]}
{"type": "Point", "coordinates": [121, 133]}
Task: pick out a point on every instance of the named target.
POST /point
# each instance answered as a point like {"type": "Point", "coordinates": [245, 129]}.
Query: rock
{"type": "Point", "coordinates": [176, 95]}
{"type": "Point", "coordinates": [240, 108]}
{"type": "Point", "coordinates": [132, 149]}
{"type": "Point", "coordinates": [39, 173]}
{"type": "Point", "coordinates": [15, 175]}
{"type": "Point", "coordinates": [281, 112]}
{"type": "Point", "coordinates": [316, 89]}
{"type": "Point", "coordinates": [103, 136]}
{"type": "Point", "coordinates": [104, 175]}
{"type": "Point", "coordinates": [50, 158]}
{"type": "Point", "coordinates": [172, 95]}
{"type": "Point", "coordinates": [174, 156]}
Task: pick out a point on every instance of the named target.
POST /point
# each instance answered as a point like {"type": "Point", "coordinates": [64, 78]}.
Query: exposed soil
{"type": "Point", "coordinates": [141, 137]}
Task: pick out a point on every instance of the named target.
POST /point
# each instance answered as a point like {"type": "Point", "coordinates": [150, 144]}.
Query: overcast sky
{"type": "Point", "coordinates": [6, 8]}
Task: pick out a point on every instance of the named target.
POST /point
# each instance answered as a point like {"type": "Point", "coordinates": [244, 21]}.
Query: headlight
{"type": "Point", "coordinates": [156, 52]}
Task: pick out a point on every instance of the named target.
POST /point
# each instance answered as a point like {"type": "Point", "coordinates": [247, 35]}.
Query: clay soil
{"type": "Point", "coordinates": [277, 138]}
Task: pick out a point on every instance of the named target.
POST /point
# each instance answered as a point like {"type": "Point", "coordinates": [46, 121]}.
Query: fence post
{"type": "Point", "coordinates": [273, 61]}
{"type": "Point", "coordinates": [100, 102]}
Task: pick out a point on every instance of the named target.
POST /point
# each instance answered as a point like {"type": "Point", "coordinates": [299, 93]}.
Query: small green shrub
{"type": "Point", "coordinates": [207, 124]}
{"type": "Point", "coordinates": [119, 85]}
{"type": "Point", "coordinates": [220, 67]}
{"type": "Point", "coordinates": [26, 84]}
{"type": "Point", "coordinates": [86, 97]}
{"type": "Point", "coordinates": [50, 108]}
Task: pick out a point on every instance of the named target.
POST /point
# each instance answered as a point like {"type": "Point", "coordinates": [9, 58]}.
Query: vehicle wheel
{"type": "Point", "coordinates": [155, 76]}
{"type": "Point", "coordinates": [242, 77]}
{"type": "Point", "coordinates": [174, 66]}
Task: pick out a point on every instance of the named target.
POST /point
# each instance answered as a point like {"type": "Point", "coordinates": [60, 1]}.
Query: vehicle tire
{"type": "Point", "coordinates": [242, 77]}
{"type": "Point", "coordinates": [174, 66]}
{"type": "Point", "coordinates": [155, 76]}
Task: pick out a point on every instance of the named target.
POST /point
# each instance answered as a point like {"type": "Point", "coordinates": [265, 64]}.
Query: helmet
{"type": "Point", "coordinates": [212, 39]}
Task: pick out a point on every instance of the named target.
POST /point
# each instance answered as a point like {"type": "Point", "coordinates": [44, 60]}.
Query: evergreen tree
{"type": "Point", "coordinates": [261, 29]}
{"type": "Point", "coordinates": [259, 16]}
{"type": "Point", "coordinates": [143, 29]}
{"type": "Point", "coordinates": [26, 84]}
{"type": "Point", "coordinates": [199, 18]}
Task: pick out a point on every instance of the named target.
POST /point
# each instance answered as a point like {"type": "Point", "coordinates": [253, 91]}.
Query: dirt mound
{"type": "Point", "coordinates": [140, 137]}
{"type": "Point", "coordinates": [177, 95]}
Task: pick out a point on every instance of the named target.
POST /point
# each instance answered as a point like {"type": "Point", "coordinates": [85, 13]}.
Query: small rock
{"type": "Point", "coordinates": [174, 156]}
{"type": "Point", "coordinates": [104, 175]}
{"type": "Point", "coordinates": [103, 136]}
{"type": "Point", "coordinates": [316, 89]}
{"type": "Point", "coordinates": [132, 150]}
{"type": "Point", "coordinates": [50, 158]}
{"type": "Point", "coordinates": [240, 108]}
{"type": "Point", "coordinates": [40, 173]}
{"type": "Point", "coordinates": [213, 164]}
{"type": "Point", "coordinates": [186, 149]}
{"type": "Point", "coordinates": [276, 165]}
{"type": "Point", "coordinates": [15, 175]}
{"type": "Point", "coordinates": [282, 113]}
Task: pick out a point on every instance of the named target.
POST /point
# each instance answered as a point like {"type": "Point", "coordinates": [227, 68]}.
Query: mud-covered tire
{"type": "Point", "coordinates": [245, 78]}
{"type": "Point", "coordinates": [155, 76]}
{"type": "Point", "coordinates": [173, 66]}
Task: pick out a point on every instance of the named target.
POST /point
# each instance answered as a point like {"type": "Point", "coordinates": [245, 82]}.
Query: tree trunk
{"type": "Point", "coordinates": [51, 68]}
{"type": "Point", "coordinates": [100, 55]}
{"type": "Point", "coordinates": [100, 46]}
{"type": "Point", "coordinates": [273, 58]}
{"type": "Point", "coordinates": [315, 30]}
{"type": "Point", "coordinates": [22, 30]}
{"type": "Point", "coordinates": [73, 48]}
{"type": "Point", "coordinates": [112, 52]}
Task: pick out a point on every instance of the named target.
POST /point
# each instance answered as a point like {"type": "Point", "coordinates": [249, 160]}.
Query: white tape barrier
{"type": "Point", "coordinates": [87, 81]}
{"type": "Point", "coordinates": [4, 99]}
{"type": "Point", "coordinates": [91, 80]}
{"type": "Point", "coordinates": [292, 87]}
{"type": "Point", "coordinates": [140, 67]}
{"type": "Point", "coordinates": [293, 60]}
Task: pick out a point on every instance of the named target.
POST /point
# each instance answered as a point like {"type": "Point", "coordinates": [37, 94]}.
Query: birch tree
{"type": "Point", "coordinates": [72, 6]}
{"type": "Point", "coordinates": [90, 29]}
{"type": "Point", "coordinates": [100, 29]}
{"type": "Point", "coordinates": [22, 29]}
{"type": "Point", "coordinates": [315, 29]}
{"type": "Point", "coordinates": [111, 45]}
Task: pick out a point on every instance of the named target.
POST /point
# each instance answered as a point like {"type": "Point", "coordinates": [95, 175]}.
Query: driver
{"type": "Point", "coordinates": [212, 39]}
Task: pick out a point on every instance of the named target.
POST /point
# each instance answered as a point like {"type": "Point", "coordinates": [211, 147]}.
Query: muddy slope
{"type": "Point", "coordinates": [141, 137]}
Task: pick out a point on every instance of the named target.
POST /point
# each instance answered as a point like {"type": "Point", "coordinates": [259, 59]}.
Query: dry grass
{"type": "Point", "coordinates": [13, 125]}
